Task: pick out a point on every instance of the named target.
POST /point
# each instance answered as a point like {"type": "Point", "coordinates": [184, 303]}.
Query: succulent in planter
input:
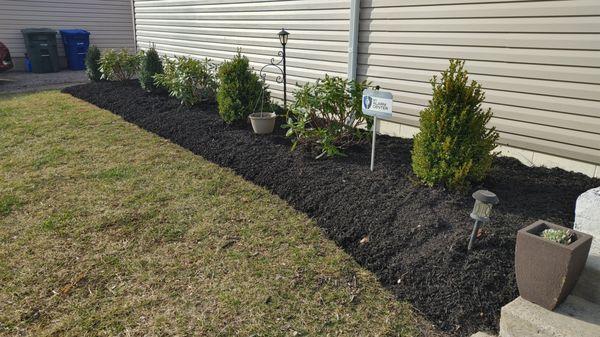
{"type": "Point", "coordinates": [562, 236]}
{"type": "Point", "coordinates": [548, 261]}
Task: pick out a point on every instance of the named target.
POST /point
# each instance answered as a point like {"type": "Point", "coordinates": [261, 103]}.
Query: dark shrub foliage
{"type": "Point", "coordinates": [240, 90]}
{"type": "Point", "coordinates": [92, 64]}
{"type": "Point", "coordinates": [454, 147]}
{"type": "Point", "coordinates": [189, 80]}
{"type": "Point", "coordinates": [119, 66]}
{"type": "Point", "coordinates": [151, 65]}
{"type": "Point", "coordinates": [327, 114]}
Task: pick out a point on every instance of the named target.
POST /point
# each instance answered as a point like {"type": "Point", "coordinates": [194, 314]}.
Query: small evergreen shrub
{"type": "Point", "coordinates": [119, 66]}
{"type": "Point", "coordinates": [92, 64]}
{"type": "Point", "coordinates": [327, 114]}
{"type": "Point", "coordinates": [562, 236]}
{"type": "Point", "coordinates": [189, 80]}
{"type": "Point", "coordinates": [151, 65]}
{"type": "Point", "coordinates": [240, 90]}
{"type": "Point", "coordinates": [454, 147]}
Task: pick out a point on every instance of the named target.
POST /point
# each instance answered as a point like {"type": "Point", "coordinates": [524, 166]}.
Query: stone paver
{"type": "Point", "coordinates": [587, 220]}
{"type": "Point", "coordinates": [482, 334]}
{"type": "Point", "coordinates": [587, 217]}
{"type": "Point", "coordinates": [574, 317]}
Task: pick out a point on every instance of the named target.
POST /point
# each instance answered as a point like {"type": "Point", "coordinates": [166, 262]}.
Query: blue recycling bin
{"type": "Point", "coordinates": [76, 42]}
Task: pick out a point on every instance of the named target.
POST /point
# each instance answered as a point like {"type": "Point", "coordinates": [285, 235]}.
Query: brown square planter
{"type": "Point", "coordinates": [547, 271]}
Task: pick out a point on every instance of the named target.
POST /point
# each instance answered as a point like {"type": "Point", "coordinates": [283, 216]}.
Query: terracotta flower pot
{"type": "Point", "coordinates": [547, 271]}
{"type": "Point", "coordinates": [263, 122]}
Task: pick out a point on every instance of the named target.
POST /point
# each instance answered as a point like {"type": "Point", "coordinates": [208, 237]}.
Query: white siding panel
{"type": "Point", "coordinates": [539, 62]}
{"type": "Point", "coordinates": [584, 58]}
{"type": "Point", "coordinates": [332, 25]}
{"type": "Point", "coordinates": [317, 45]}
{"type": "Point", "coordinates": [500, 9]}
{"type": "Point", "coordinates": [539, 71]}
{"type": "Point", "coordinates": [108, 21]}
{"type": "Point", "coordinates": [508, 25]}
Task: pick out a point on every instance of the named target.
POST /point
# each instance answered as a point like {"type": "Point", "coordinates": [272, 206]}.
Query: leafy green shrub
{"type": "Point", "coordinates": [240, 90]}
{"type": "Point", "coordinates": [189, 80]}
{"type": "Point", "coordinates": [327, 114]}
{"type": "Point", "coordinates": [151, 65]}
{"type": "Point", "coordinates": [454, 147]}
{"type": "Point", "coordinates": [92, 64]}
{"type": "Point", "coordinates": [119, 66]}
{"type": "Point", "coordinates": [562, 236]}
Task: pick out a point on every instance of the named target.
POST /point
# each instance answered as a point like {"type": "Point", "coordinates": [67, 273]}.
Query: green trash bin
{"type": "Point", "coordinates": [41, 48]}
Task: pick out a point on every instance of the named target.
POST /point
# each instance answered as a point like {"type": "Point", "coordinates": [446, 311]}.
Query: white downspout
{"type": "Point", "coordinates": [353, 38]}
{"type": "Point", "coordinates": [135, 46]}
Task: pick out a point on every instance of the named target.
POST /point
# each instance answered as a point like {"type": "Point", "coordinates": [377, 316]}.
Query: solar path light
{"type": "Point", "coordinates": [484, 201]}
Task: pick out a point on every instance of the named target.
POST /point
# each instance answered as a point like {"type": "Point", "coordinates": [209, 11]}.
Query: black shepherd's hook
{"type": "Point", "coordinates": [280, 65]}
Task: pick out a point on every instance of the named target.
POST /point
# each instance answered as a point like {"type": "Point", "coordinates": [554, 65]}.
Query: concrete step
{"type": "Point", "coordinates": [588, 285]}
{"type": "Point", "coordinates": [482, 334]}
{"type": "Point", "coordinates": [575, 317]}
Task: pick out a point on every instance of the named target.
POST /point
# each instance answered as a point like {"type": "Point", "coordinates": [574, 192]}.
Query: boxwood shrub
{"type": "Point", "coordinates": [454, 146]}
{"type": "Point", "coordinates": [240, 90]}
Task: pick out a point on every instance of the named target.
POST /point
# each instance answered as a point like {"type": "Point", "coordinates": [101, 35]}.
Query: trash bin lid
{"type": "Point", "coordinates": [73, 32]}
{"type": "Point", "coordinates": [38, 31]}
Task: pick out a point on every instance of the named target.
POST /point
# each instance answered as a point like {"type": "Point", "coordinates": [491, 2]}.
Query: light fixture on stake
{"type": "Point", "coordinates": [283, 36]}
{"type": "Point", "coordinates": [280, 65]}
{"type": "Point", "coordinates": [283, 39]}
{"type": "Point", "coordinates": [484, 201]}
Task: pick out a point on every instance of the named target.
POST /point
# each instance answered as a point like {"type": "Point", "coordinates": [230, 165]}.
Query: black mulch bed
{"type": "Point", "coordinates": [417, 235]}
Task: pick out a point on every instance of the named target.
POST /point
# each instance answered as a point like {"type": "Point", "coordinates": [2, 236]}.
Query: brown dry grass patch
{"type": "Point", "coordinates": [108, 230]}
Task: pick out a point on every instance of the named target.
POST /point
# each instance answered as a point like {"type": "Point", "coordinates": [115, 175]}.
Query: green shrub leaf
{"type": "Point", "coordinates": [119, 66]}
{"type": "Point", "coordinates": [327, 114]}
{"type": "Point", "coordinates": [240, 91]}
{"type": "Point", "coordinates": [189, 80]}
{"type": "Point", "coordinates": [151, 65]}
{"type": "Point", "coordinates": [454, 147]}
{"type": "Point", "coordinates": [92, 64]}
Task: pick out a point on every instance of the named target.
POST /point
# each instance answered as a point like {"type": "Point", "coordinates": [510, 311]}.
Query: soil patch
{"type": "Point", "coordinates": [417, 236]}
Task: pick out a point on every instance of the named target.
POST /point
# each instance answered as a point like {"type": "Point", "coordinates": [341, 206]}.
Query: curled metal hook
{"type": "Point", "coordinates": [279, 78]}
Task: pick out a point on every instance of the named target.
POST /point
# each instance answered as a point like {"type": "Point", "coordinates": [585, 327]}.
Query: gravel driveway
{"type": "Point", "coordinates": [16, 82]}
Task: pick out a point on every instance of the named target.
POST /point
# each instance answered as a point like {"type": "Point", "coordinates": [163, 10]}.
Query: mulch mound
{"type": "Point", "coordinates": [417, 236]}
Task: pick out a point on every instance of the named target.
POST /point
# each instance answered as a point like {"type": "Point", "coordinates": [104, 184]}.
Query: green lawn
{"type": "Point", "coordinates": [108, 230]}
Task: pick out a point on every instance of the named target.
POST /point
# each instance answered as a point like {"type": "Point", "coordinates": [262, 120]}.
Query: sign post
{"type": "Point", "coordinates": [379, 105]}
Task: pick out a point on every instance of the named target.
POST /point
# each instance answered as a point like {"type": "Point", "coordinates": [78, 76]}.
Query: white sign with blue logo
{"type": "Point", "coordinates": [377, 103]}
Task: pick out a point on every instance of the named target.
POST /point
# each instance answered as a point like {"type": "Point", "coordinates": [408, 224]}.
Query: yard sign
{"type": "Point", "coordinates": [379, 105]}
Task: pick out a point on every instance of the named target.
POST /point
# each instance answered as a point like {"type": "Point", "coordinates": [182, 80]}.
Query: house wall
{"type": "Point", "coordinates": [539, 61]}
{"type": "Point", "coordinates": [215, 29]}
{"type": "Point", "coordinates": [110, 22]}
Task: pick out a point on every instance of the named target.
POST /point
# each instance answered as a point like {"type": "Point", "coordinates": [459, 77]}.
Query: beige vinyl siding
{"type": "Point", "coordinates": [108, 21]}
{"type": "Point", "coordinates": [539, 62]}
{"type": "Point", "coordinates": [318, 42]}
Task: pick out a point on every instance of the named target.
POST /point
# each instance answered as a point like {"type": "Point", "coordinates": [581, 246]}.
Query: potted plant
{"type": "Point", "coordinates": [263, 122]}
{"type": "Point", "coordinates": [548, 261]}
